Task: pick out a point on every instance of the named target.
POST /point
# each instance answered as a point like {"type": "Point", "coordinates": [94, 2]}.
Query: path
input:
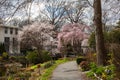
{"type": "Point", "coordinates": [67, 71]}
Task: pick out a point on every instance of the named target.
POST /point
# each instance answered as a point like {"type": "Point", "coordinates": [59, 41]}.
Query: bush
{"type": "Point", "coordinates": [45, 56]}
{"type": "Point", "coordinates": [116, 58]}
{"type": "Point", "coordinates": [2, 48]}
{"type": "Point", "coordinates": [2, 69]}
{"type": "Point", "coordinates": [84, 66]}
{"type": "Point", "coordinates": [12, 58]}
{"type": "Point", "coordinates": [105, 73]}
{"type": "Point", "coordinates": [32, 57]}
{"type": "Point", "coordinates": [22, 60]}
{"type": "Point", "coordinates": [91, 57]}
{"type": "Point", "coordinates": [48, 64]}
{"type": "Point", "coordinates": [109, 37]}
{"type": "Point", "coordinates": [115, 36]}
{"type": "Point", "coordinates": [23, 75]}
{"type": "Point", "coordinates": [1, 58]}
{"type": "Point", "coordinates": [92, 41]}
{"type": "Point", "coordinates": [5, 55]}
{"type": "Point", "coordinates": [80, 59]}
{"type": "Point", "coordinates": [57, 56]}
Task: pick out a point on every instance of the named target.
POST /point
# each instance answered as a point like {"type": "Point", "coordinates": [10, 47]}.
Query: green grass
{"type": "Point", "coordinates": [48, 72]}
{"type": "Point", "coordinates": [35, 66]}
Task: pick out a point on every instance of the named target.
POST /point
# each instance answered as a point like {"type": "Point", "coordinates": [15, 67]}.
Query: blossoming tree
{"type": "Point", "coordinates": [72, 35]}
{"type": "Point", "coordinates": [36, 35]}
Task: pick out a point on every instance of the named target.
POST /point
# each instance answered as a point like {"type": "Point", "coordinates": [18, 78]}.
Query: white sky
{"type": "Point", "coordinates": [36, 7]}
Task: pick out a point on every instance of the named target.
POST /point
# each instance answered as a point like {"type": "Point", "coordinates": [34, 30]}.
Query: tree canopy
{"type": "Point", "coordinates": [72, 34]}
{"type": "Point", "coordinates": [36, 35]}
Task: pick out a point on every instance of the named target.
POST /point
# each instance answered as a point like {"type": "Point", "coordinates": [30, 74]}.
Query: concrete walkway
{"type": "Point", "coordinates": [67, 71]}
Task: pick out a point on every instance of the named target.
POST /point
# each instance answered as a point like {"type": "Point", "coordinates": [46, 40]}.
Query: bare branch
{"type": "Point", "coordinates": [89, 3]}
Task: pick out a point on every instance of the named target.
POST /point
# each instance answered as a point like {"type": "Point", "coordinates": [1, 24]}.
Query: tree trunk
{"type": "Point", "coordinates": [100, 48]}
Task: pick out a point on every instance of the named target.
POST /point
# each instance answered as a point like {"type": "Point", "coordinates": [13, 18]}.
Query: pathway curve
{"type": "Point", "coordinates": [67, 71]}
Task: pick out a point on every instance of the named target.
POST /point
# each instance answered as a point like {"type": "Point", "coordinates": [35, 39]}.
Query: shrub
{"type": "Point", "coordinates": [5, 55]}
{"type": "Point", "coordinates": [22, 60]}
{"type": "Point", "coordinates": [58, 55]}
{"type": "Point", "coordinates": [80, 59]}
{"type": "Point", "coordinates": [38, 66]}
{"type": "Point", "coordinates": [23, 75]}
{"type": "Point", "coordinates": [10, 78]}
{"type": "Point", "coordinates": [13, 68]}
{"type": "Point", "coordinates": [105, 73]}
{"type": "Point", "coordinates": [12, 58]}
{"type": "Point", "coordinates": [45, 56]}
{"type": "Point", "coordinates": [84, 66]}
{"type": "Point", "coordinates": [116, 58]}
{"type": "Point", "coordinates": [2, 48]}
{"type": "Point", "coordinates": [1, 58]}
{"type": "Point", "coordinates": [2, 69]}
{"type": "Point", "coordinates": [91, 57]}
{"type": "Point", "coordinates": [115, 36]}
{"type": "Point", "coordinates": [32, 57]}
{"type": "Point", "coordinates": [48, 64]}
{"type": "Point", "coordinates": [92, 40]}
{"type": "Point", "coordinates": [109, 37]}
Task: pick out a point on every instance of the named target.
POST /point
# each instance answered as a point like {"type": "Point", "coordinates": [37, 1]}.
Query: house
{"type": "Point", "coordinates": [8, 36]}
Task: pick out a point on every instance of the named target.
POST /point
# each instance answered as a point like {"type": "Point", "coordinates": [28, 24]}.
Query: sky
{"type": "Point", "coordinates": [34, 10]}
{"type": "Point", "coordinates": [36, 7]}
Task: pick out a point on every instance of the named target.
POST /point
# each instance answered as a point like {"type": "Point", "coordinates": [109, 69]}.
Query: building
{"type": "Point", "coordinates": [8, 36]}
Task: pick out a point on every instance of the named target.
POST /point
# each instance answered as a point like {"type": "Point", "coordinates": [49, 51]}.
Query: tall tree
{"type": "Point", "coordinates": [9, 8]}
{"type": "Point", "coordinates": [36, 35]}
{"type": "Point", "coordinates": [54, 10]}
{"type": "Point", "coordinates": [100, 48]}
{"type": "Point", "coordinates": [71, 37]}
{"type": "Point", "coordinates": [75, 11]}
{"type": "Point", "coordinates": [110, 13]}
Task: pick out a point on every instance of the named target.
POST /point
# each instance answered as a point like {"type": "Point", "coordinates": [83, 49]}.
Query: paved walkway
{"type": "Point", "coordinates": [67, 71]}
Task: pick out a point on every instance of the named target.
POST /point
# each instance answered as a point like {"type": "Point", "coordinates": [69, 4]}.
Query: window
{"type": "Point", "coordinates": [6, 30]}
{"type": "Point", "coordinates": [15, 45]}
{"type": "Point", "coordinates": [11, 30]}
{"type": "Point", "coordinates": [7, 43]}
{"type": "Point", "coordinates": [13, 41]}
{"type": "Point", "coordinates": [16, 31]}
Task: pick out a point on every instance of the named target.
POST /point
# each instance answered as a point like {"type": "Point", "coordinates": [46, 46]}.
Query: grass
{"type": "Point", "coordinates": [35, 66]}
{"type": "Point", "coordinates": [48, 72]}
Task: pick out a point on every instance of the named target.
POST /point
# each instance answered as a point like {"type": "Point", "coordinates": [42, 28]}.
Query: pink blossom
{"type": "Point", "coordinates": [72, 34]}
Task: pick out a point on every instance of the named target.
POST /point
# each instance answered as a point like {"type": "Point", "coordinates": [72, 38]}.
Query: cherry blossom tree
{"type": "Point", "coordinates": [36, 35]}
{"type": "Point", "coordinates": [72, 35]}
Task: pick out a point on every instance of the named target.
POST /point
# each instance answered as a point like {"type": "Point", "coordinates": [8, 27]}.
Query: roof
{"type": "Point", "coordinates": [4, 26]}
